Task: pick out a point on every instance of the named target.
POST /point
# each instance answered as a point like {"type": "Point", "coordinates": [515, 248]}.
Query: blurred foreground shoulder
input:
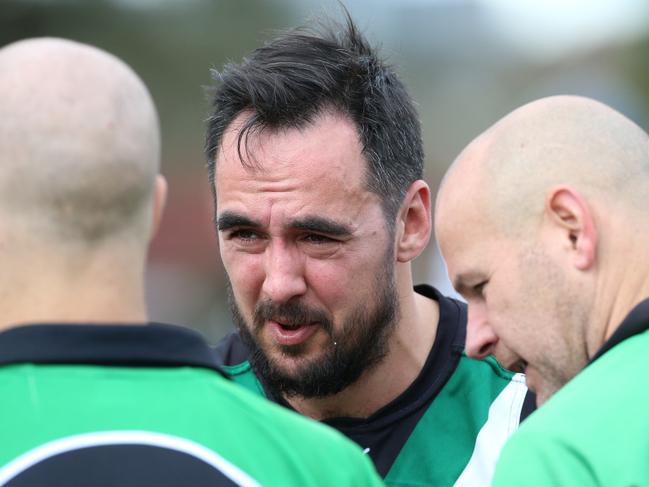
{"type": "Point", "coordinates": [324, 456]}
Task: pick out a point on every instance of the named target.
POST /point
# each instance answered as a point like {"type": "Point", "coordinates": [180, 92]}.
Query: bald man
{"type": "Point", "coordinates": [543, 222]}
{"type": "Point", "coordinates": [90, 393]}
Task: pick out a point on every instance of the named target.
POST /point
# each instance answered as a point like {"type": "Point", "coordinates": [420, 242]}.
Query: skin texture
{"type": "Point", "coordinates": [538, 220]}
{"type": "Point", "coordinates": [80, 193]}
{"type": "Point", "coordinates": [298, 227]}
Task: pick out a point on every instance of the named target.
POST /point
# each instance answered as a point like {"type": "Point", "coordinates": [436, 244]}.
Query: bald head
{"type": "Point", "coordinates": [542, 223]}
{"type": "Point", "coordinates": [557, 140]}
{"type": "Point", "coordinates": [79, 143]}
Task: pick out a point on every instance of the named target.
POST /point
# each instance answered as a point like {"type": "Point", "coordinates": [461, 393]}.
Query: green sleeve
{"type": "Point", "coordinates": [535, 459]}
{"type": "Point", "coordinates": [367, 475]}
{"type": "Point", "coordinates": [353, 468]}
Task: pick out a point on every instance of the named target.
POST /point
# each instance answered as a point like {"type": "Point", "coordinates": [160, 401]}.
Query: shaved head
{"type": "Point", "coordinates": [556, 140]}
{"type": "Point", "coordinates": [79, 143]}
{"type": "Point", "coordinates": [542, 223]}
{"type": "Point", "coordinates": [80, 193]}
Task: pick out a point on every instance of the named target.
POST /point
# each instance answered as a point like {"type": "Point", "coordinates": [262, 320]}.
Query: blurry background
{"type": "Point", "coordinates": [467, 63]}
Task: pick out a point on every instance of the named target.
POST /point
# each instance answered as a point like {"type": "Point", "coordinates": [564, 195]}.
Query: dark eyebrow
{"type": "Point", "coordinates": [228, 219]}
{"type": "Point", "coordinates": [321, 225]}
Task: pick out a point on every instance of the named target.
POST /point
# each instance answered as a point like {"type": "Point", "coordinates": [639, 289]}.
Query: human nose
{"type": "Point", "coordinates": [480, 338]}
{"type": "Point", "coordinates": [284, 277]}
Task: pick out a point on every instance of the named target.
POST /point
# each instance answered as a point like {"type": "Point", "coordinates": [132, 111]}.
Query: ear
{"type": "Point", "coordinates": [159, 202]}
{"type": "Point", "coordinates": [569, 213]}
{"type": "Point", "coordinates": [413, 222]}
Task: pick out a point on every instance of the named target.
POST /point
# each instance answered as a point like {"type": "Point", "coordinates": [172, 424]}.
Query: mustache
{"type": "Point", "coordinates": [292, 313]}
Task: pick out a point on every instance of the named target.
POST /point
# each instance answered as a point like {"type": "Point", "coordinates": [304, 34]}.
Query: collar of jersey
{"type": "Point", "coordinates": [636, 322]}
{"type": "Point", "coordinates": [143, 345]}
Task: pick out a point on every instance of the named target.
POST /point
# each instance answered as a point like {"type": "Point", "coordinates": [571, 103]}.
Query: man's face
{"type": "Point", "coordinates": [522, 307]}
{"type": "Point", "coordinates": [307, 253]}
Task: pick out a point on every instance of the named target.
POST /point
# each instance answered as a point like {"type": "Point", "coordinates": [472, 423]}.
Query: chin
{"type": "Point", "coordinates": [291, 365]}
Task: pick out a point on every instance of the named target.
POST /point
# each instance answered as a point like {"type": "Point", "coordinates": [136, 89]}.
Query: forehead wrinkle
{"type": "Point", "coordinates": [288, 176]}
{"type": "Point", "coordinates": [302, 174]}
{"type": "Point", "coordinates": [289, 146]}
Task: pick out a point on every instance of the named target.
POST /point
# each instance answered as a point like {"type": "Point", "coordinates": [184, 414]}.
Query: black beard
{"type": "Point", "coordinates": [359, 345]}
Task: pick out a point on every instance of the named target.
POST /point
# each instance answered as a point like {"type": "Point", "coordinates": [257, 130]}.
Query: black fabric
{"type": "Point", "coordinates": [150, 345]}
{"type": "Point", "coordinates": [637, 321]}
{"type": "Point", "coordinates": [138, 466]}
{"type": "Point", "coordinates": [529, 405]}
{"type": "Point", "coordinates": [232, 352]}
{"type": "Point", "coordinates": [386, 431]}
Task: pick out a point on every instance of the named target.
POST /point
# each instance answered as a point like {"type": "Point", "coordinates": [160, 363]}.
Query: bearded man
{"type": "Point", "coordinates": [316, 161]}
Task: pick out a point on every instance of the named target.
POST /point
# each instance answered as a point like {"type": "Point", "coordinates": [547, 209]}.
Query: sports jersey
{"type": "Point", "coordinates": [146, 405]}
{"type": "Point", "coordinates": [595, 430]}
{"type": "Point", "coordinates": [446, 429]}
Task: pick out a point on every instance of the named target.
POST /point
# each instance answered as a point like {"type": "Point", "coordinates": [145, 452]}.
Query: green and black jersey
{"type": "Point", "coordinates": [595, 430]}
{"type": "Point", "coordinates": [146, 405]}
{"type": "Point", "coordinates": [446, 429]}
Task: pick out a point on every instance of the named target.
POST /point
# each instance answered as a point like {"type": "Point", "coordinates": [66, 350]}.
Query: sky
{"type": "Point", "coordinates": [546, 28]}
{"type": "Point", "coordinates": [550, 27]}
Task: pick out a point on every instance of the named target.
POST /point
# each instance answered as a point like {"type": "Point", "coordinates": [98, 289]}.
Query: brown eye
{"type": "Point", "coordinates": [317, 239]}
{"type": "Point", "coordinates": [244, 235]}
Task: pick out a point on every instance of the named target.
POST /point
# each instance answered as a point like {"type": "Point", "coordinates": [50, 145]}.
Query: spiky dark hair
{"type": "Point", "coordinates": [293, 78]}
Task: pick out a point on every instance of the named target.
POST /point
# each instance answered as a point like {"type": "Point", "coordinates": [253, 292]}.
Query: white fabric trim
{"type": "Point", "coordinates": [134, 437]}
{"type": "Point", "coordinates": [502, 421]}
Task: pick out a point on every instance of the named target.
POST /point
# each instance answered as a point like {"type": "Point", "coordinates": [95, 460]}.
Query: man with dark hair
{"type": "Point", "coordinates": [91, 393]}
{"type": "Point", "coordinates": [315, 160]}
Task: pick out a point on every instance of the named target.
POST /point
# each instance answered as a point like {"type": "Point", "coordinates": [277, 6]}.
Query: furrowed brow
{"type": "Point", "coordinates": [322, 225]}
{"type": "Point", "coordinates": [228, 219]}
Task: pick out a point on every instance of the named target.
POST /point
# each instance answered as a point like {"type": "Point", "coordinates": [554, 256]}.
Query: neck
{"type": "Point", "coordinates": [408, 350]}
{"type": "Point", "coordinates": [619, 311]}
{"type": "Point", "coordinates": [82, 291]}
{"type": "Point", "coordinates": [628, 287]}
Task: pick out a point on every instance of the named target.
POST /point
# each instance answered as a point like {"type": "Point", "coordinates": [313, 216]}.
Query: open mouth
{"type": "Point", "coordinates": [286, 325]}
{"type": "Point", "coordinates": [290, 333]}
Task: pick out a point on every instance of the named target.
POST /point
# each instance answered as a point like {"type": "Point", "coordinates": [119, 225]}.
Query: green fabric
{"type": "Point", "coordinates": [439, 448]}
{"type": "Point", "coordinates": [42, 403]}
{"type": "Point", "coordinates": [592, 432]}
{"type": "Point", "coordinates": [243, 375]}
{"type": "Point", "coordinates": [444, 439]}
